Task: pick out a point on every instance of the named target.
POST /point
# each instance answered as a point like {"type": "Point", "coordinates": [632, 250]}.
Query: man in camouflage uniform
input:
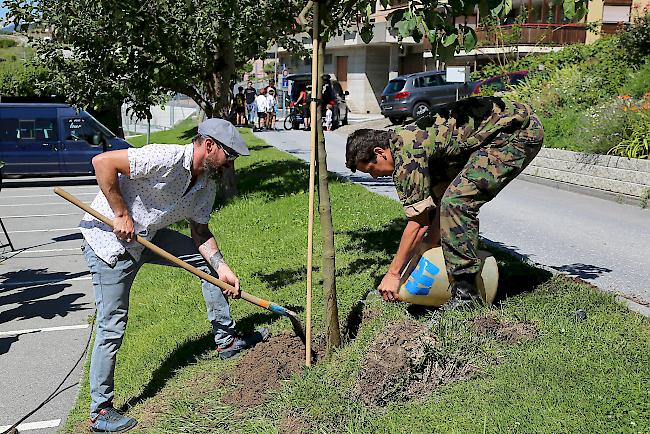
{"type": "Point", "coordinates": [445, 166]}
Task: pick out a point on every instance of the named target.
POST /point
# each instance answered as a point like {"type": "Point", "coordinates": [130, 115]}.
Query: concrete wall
{"type": "Point", "coordinates": [616, 175]}
{"type": "Point", "coordinates": [377, 77]}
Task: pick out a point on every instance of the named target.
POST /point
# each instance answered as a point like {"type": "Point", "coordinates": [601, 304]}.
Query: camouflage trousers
{"type": "Point", "coordinates": [487, 171]}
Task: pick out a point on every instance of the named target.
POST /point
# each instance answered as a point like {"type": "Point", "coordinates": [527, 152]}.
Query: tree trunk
{"type": "Point", "coordinates": [332, 327]}
{"type": "Point", "coordinates": [218, 89]}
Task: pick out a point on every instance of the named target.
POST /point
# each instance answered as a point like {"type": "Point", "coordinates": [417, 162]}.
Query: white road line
{"type": "Point", "coordinates": [8, 186]}
{"type": "Point", "coordinates": [38, 215]}
{"type": "Point", "coordinates": [61, 202]}
{"type": "Point", "coordinates": [45, 329]}
{"type": "Point", "coordinates": [34, 283]}
{"type": "Point", "coordinates": [34, 425]}
{"type": "Point", "coordinates": [50, 250]}
{"type": "Point", "coordinates": [43, 195]}
{"type": "Point", "coordinates": [44, 230]}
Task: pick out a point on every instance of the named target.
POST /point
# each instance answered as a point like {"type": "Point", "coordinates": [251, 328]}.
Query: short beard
{"type": "Point", "coordinates": [213, 170]}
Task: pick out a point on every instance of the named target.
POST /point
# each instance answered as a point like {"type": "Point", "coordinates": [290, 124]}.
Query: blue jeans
{"type": "Point", "coordinates": [112, 286]}
{"type": "Point", "coordinates": [250, 112]}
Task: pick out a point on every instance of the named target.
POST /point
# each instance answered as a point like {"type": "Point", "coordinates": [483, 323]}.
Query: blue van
{"type": "Point", "coordinates": [51, 139]}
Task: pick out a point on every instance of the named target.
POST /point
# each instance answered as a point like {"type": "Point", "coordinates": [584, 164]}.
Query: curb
{"type": "Point", "coordinates": [632, 305]}
{"type": "Point", "coordinates": [619, 179]}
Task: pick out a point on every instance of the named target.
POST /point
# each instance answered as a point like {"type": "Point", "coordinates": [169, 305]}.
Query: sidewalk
{"type": "Point", "coordinates": [600, 241]}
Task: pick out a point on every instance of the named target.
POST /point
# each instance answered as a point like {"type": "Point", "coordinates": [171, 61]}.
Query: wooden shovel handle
{"type": "Point", "coordinates": [165, 254]}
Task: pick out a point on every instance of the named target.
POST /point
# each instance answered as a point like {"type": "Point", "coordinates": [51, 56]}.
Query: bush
{"type": "Point", "coordinates": [7, 43]}
{"type": "Point", "coordinates": [636, 143]}
{"type": "Point", "coordinates": [603, 126]}
{"type": "Point", "coordinates": [560, 129]}
{"type": "Point", "coordinates": [639, 81]}
{"type": "Point", "coordinates": [635, 40]}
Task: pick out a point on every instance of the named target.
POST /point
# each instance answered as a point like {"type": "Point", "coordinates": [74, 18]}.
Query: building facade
{"type": "Point", "coordinates": [540, 26]}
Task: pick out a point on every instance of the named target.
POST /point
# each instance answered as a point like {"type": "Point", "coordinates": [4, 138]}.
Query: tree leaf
{"type": "Point", "coordinates": [366, 34]}
{"type": "Point", "coordinates": [470, 39]}
{"type": "Point", "coordinates": [569, 9]}
{"type": "Point", "coordinates": [450, 40]}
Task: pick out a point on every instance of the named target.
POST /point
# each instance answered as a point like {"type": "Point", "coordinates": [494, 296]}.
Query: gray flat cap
{"type": "Point", "coordinates": [226, 133]}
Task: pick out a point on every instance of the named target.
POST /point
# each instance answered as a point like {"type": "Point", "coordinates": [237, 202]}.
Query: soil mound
{"type": "Point", "coordinates": [262, 369]}
{"type": "Point", "coordinates": [512, 333]}
{"type": "Point", "coordinates": [404, 362]}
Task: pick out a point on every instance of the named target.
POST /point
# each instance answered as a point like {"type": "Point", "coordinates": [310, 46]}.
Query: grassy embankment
{"type": "Point", "coordinates": [576, 376]}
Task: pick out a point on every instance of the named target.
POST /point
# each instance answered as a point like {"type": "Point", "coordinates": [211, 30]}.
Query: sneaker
{"type": "Point", "coordinates": [111, 420]}
{"type": "Point", "coordinates": [240, 343]}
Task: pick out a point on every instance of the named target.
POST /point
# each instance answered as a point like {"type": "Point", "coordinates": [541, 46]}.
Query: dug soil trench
{"type": "Point", "coordinates": [511, 333]}
{"type": "Point", "coordinates": [263, 368]}
{"type": "Point", "coordinates": [404, 362]}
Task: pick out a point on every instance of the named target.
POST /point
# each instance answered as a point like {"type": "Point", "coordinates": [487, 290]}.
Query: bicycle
{"type": "Point", "coordinates": [294, 119]}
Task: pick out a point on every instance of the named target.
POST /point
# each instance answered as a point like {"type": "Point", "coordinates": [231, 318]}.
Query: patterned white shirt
{"type": "Point", "coordinates": [153, 193]}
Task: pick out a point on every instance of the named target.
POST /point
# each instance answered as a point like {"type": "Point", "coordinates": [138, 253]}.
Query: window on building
{"type": "Point", "coordinates": [306, 40]}
{"type": "Point", "coordinates": [616, 14]}
{"type": "Point", "coordinates": [328, 59]}
{"type": "Point", "coordinates": [347, 36]}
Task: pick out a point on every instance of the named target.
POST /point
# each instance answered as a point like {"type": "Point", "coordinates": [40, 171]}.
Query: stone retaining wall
{"type": "Point", "coordinates": [616, 175]}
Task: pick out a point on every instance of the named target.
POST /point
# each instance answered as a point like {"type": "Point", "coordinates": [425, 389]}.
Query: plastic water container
{"type": "Point", "coordinates": [425, 279]}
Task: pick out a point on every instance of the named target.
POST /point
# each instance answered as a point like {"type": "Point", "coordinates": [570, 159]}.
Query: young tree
{"type": "Point", "coordinates": [420, 18]}
{"type": "Point", "coordinates": [139, 52]}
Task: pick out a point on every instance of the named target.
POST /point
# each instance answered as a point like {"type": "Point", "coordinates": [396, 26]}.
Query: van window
{"type": "Point", "coordinates": [28, 129]}
{"type": "Point", "coordinates": [81, 129]}
{"type": "Point", "coordinates": [429, 81]}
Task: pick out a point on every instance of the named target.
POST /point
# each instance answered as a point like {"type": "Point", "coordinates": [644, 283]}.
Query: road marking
{"type": "Point", "coordinates": [45, 329]}
{"type": "Point", "coordinates": [43, 195]}
{"type": "Point", "coordinates": [50, 250]}
{"type": "Point", "coordinates": [42, 204]}
{"type": "Point", "coordinates": [44, 230]}
{"type": "Point", "coordinates": [38, 215]}
{"type": "Point", "coordinates": [34, 283]}
{"type": "Point", "coordinates": [34, 425]}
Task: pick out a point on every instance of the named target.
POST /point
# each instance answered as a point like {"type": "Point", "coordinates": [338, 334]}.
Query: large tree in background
{"type": "Point", "coordinates": [139, 52]}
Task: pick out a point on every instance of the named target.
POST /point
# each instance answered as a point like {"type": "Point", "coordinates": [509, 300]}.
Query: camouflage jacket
{"type": "Point", "coordinates": [430, 153]}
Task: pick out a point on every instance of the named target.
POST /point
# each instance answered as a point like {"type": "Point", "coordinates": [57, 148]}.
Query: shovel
{"type": "Point", "coordinates": [264, 304]}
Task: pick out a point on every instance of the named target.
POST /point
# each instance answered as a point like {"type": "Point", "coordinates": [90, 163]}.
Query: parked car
{"type": "Point", "coordinates": [51, 139]}
{"type": "Point", "coordinates": [499, 83]}
{"type": "Point", "coordinates": [413, 95]}
{"type": "Point", "coordinates": [332, 93]}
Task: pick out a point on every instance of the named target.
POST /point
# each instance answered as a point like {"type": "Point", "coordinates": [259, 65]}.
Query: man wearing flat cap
{"type": "Point", "coordinates": [144, 190]}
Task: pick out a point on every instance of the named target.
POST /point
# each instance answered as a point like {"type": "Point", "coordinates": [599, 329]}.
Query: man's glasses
{"type": "Point", "coordinates": [230, 155]}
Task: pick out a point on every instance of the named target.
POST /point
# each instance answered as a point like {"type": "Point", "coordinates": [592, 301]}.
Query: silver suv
{"type": "Point", "coordinates": [413, 95]}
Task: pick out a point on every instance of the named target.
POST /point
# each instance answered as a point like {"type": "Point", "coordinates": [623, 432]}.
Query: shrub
{"type": "Point", "coordinates": [635, 39]}
{"type": "Point", "coordinates": [639, 81]}
{"type": "Point", "coordinates": [560, 129]}
{"type": "Point", "coordinates": [7, 43]}
{"type": "Point", "coordinates": [636, 144]}
{"type": "Point", "coordinates": [603, 126]}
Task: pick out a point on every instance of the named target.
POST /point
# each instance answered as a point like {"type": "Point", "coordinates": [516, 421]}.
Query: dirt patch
{"type": "Point", "coordinates": [294, 424]}
{"type": "Point", "coordinates": [369, 314]}
{"type": "Point", "coordinates": [263, 368]}
{"type": "Point", "coordinates": [511, 333]}
{"type": "Point", "coordinates": [404, 362]}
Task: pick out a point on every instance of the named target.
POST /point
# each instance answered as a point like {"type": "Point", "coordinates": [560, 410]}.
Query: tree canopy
{"type": "Point", "coordinates": [109, 51]}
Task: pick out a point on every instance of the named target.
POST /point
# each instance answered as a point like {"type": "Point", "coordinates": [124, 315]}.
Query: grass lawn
{"type": "Point", "coordinates": [575, 376]}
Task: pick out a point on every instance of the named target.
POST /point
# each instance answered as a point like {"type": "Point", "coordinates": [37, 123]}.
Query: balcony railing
{"type": "Point", "coordinates": [535, 34]}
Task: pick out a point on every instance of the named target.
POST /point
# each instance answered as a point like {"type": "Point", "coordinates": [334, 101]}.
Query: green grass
{"type": "Point", "coordinates": [182, 133]}
{"type": "Point", "coordinates": [590, 376]}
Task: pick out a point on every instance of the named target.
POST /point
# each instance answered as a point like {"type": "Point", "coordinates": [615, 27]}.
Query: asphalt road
{"type": "Point", "coordinates": [600, 241]}
{"type": "Point", "coordinates": [45, 301]}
